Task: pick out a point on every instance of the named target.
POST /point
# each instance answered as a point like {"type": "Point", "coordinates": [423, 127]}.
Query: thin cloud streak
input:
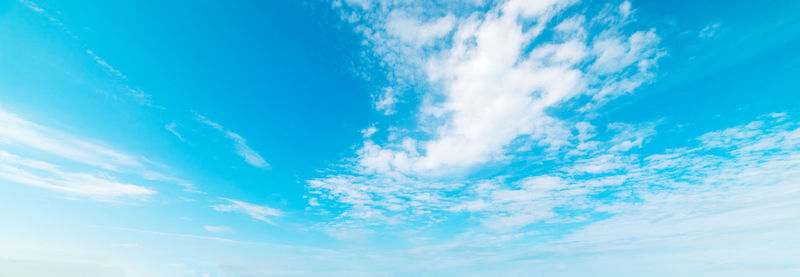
{"type": "Point", "coordinates": [239, 143]}
{"type": "Point", "coordinates": [258, 212]}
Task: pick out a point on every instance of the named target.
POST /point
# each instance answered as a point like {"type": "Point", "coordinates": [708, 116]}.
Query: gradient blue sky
{"type": "Point", "coordinates": [399, 138]}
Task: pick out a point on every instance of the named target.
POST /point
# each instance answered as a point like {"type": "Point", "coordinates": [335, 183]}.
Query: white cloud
{"type": "Point", "coordinates": [369, 131]}
{"type": "Point", "coordinates": [629, 136]}
{"type": "Point", "coordinates": [139, 95]}
{"type": "Point", "coordinates": [262, 213]}
{"type": "Point", "coordinates": [239, 143]}
{"type": "Point", "coordinates": [726, 205]}
{"type": "Point", "coordinates": [101, 187]}
{"type": "Point", "coordinates": [15, 131]}
{"type": "Point", "coordinates": [494, 89]}
{"type": "Point", "coordinates": [171, 128]}
{"type": "Point", "coordinates": [386, 101]}
{"type": "Point", "coordinates": [490, 79]}
{"type": "Point", "coordinates": [44, 157]}
{"type": "Point", "coordinates": [709, 30]}
{"type": "Point", "coordinates": [106, 66]}
{"type": "Point", "coordinates": [32, 6]}
{"type": "Point", "coordinates": [735, 197]}
{"type": "Point", "coordinates": [756, 157]}
{"type": "Point", "coordinates": [410, 30]}
{"type": "Point", "coordinates": [218, 229]}
{"type": "Point", "coordinates": [600, 164]}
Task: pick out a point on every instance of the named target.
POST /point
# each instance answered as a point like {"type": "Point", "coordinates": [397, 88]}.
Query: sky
{"type": "Point", "coordinates": [399, 138]}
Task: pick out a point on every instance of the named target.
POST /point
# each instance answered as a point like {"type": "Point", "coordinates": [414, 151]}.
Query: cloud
{"type": "Point", "coordinates": [38, 9]}
{"type": "Point", "coordinates": [261, 213]}
{"type": "Point", "coordinates": [746, 169]}
{"type": "Point", "coordinates": [37, 155]}
{"type": "Point", "coordinates": [630, 136]}
{"type": "Point", "coordinates": [38, 173]}
{"type": "Point", "coordinates": [106, 66]}
{"type": "Point", "coordinates": [51, 156]}
{"type": "Point", "coordinates": [171, 128]}
{"type": "Point", "coordinates": [386, 101]}
{"type": "Point", "coordinates": [218, 229]}
{"type": "Point", "coordinates": [720, 204]}
{"type": "Point", "coordinates": [140, 96]}
{"type": "Point", "coordinates": [19, 132]}
{"type": "Point", "coordinates": [488, 74]}
{"type": "Point", "coordinates": [600, 164]}
{"type": "Point", "coordinates": [186, 185]}
{"type": "Point", "coordinates": [239, 143]}
{"type": "Point", "coordinates": [488, 78]}
{"type": "Point", "coordinates": [709, 30]}
{"type": "Point", "coordinates": [369, 131]}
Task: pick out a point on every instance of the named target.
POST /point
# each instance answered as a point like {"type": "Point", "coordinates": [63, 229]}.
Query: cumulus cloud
{"type": "Point", "coordinates": [494, 84]}
{"type": "Point", "coordinates": [488, 76]}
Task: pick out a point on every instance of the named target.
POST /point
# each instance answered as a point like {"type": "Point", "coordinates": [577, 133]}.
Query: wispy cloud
{"type": "Point", "coordinates": [17, 131]}
{"type": "Point", "coordinates": [491, 77]}
{"type": "Point", "coordinates": [156, 176]}
{"type": "Point", "coordinates": [140, 96]}
{"type": "Point", "coordinates": [262, 213]}
{"type": "Point", "coordinates": [106, 66]}
{"type": "Point", "coordinates": [38, 9]}
{"type": "Point", "coordinates": [41, 156]}
{"type": "Point", "coordinates": [385, 101]}
{"type": "Point", "coordinates": [38, 173]}
{"type": "Point", "coordinates": [218, 229]}
{"type": "Point", "coordinates": [709, 30]}
{"type": "Point", "coordinates": [239, 143]}
{"type": "Point", "coordinates": [731, 189]}
{"type": "Point", "coordinates": [171, 127]}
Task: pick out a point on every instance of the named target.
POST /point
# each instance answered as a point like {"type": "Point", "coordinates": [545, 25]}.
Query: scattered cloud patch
{"type": "Point", "coordinates": [386, 101]}
{"type": "Point", "coordinates": [730, 189]}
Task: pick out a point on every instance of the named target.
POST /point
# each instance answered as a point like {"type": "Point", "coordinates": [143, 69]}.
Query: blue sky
{"type": "Point", "coordinates": [399, 138]}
